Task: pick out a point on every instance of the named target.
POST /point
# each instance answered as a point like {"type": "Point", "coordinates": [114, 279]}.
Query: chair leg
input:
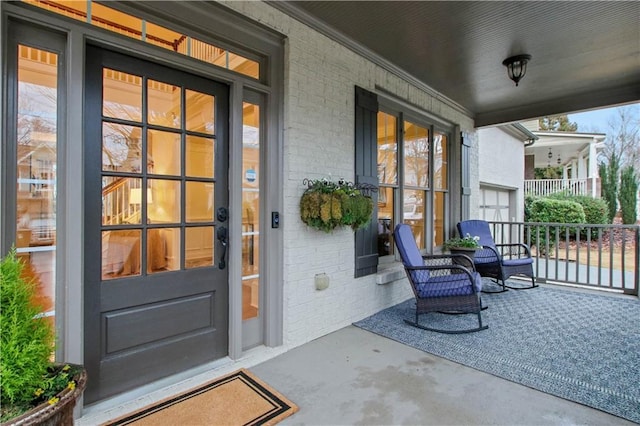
{"type": "Point", "coordinates": [533, 285]}
{"type": "Point", "coordinates": [437, 330]}
{"type": "Point", "coordinates": [504, 288]}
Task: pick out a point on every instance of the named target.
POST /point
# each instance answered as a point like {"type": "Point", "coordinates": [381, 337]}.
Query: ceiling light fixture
{"type": "Point", "coordinates": [516, 66]}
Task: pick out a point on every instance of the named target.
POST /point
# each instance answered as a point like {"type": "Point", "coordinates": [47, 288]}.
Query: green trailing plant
{"type": "Point", "coordinates": [29, 377]}
{"type": "Point", "coordinates": [628, 196]}
{"type": "Point", "coordinates": [326, 205]}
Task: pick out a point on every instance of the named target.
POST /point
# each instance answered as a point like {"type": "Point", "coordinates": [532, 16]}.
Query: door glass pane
{"type": "Point", "coordinates": [37, 147]}
{"type": "Point", "coordinates": [200, 112]}
{"type": "Point", "coordinates": [163, 152]}
{"type": "Point", "coordinates": [163, 250]}
{"type": "Point", "coordinates": [121, 200]}
{"type": "Point", "coordinates": [414, 214]}
{"type": "Point", "coordinates": [250, 209]}
{"type": "Point", "coordinates": [199, 201]}
{"type": "Point", "coordinates": [440, 161]}
{"type": "Point", "coordinates": [121, 148]}
{"type": "Point", "coordinates": [121, 253]}
{"type": "Point", "coordinates": [199, 247]}
{"type": "Point", "coordinates": [250, 298]}
{"type": "Point", "coordinates": [416, 155]}
{"type": "Point", "coordinates": [163, 104]}
{"type": "Point", "coordinates": [122, 95]}
{"type": "Point", "coordinates": [200, 157]}
{"type": "Point", "coordinates": [163, 206]}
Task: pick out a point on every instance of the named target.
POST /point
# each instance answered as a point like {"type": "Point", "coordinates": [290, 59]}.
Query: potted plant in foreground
{"type": "Point", "coordinates": [34, 389]}
{"type": "Point", "coordinates": [467, 245]}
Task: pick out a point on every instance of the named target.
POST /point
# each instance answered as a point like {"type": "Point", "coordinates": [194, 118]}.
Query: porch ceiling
{"type": "Point", "coordinates": [585, 54]}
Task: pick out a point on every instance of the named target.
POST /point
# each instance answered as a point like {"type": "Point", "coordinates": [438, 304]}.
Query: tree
{"type": "Point", "coordinates": [609, 183]}
{"type": "Point", "coordinates": [623, 137]}
{"type": "Point", "coordinates": [557, 123]}
{"type": "Point", "coordinates": [628, 195]}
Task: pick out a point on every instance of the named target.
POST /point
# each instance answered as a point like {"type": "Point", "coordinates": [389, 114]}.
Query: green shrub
{"type": "Point", "coordinates": [628, 195]}
{"type": "Point", "coordinates": [26, 342]}
{"type": "Point", "coordinates": [595, 209]}
{"type": "Point", "coordinates": [528, 200]}
{"type": "Point", "coordinates": [548, 210]}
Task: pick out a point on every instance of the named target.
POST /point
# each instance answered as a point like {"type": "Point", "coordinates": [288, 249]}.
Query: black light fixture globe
{"type": "Point", "coordinates": [516, 66]}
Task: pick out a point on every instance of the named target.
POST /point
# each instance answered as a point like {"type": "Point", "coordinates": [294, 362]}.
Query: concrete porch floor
{"type": "Point", "coordinates": [354, 377]}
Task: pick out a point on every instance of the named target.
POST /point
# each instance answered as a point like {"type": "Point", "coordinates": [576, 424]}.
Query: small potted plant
{"type": "Point", "coordinates": [467, 245]}
{"type": "Point", "coordinates": [34, 389]}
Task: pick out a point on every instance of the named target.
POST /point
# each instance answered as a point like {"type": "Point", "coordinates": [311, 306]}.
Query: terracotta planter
{"type": "Point", "coordinates": [58, 414]}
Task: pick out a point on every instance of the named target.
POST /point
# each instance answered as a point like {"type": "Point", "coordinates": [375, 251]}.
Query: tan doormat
{"type": "Point", "coordinates": [239, 398]}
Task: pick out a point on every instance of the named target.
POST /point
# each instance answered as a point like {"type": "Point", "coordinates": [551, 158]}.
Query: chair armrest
{"type": "Point", "coordinates": [463, 260]}
{"type": "Point", "coordinates": [517, 250]}
{"type": "Point", "coordinates": [449, 267]}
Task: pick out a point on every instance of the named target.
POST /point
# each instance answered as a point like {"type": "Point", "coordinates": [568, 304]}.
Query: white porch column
{"type": "Point", "coordinates": [565, 172]}
{"type": "Point", "coordinates": [582, 167]}
{"type": "Point", "coordinates": [593, 166]}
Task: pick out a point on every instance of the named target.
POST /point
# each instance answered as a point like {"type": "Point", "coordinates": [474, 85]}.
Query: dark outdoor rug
{"type": "Point", "coordinates": [580, 346]}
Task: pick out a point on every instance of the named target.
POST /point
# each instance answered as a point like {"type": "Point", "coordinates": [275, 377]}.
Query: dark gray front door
{"type": "Point", "coordinates": [156, 282]}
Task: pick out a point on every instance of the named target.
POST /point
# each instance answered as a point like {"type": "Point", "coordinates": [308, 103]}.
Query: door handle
{"type": "Point", "coordinates": [221, 234]}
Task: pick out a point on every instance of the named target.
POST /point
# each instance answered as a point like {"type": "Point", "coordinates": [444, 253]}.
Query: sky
{"type": "Point", "coordinates": [596, 120]}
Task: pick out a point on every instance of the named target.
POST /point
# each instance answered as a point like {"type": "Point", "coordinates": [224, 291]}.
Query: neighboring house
{"type": "Point", "coordinates": [177, 136]}
{"type": "Point", "coordinates": [575, 152]}
{"type": "Point", "coordinates": [501, 152]}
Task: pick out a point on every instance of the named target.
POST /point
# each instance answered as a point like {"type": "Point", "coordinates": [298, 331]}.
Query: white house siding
{"type": "Point", "coordinates": [320, 76]}
{"type": "Point", "coordinates": [501, 164]}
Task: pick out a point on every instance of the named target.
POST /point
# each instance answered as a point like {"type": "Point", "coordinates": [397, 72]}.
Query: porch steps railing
{"type": "Point", "coordinates": [598, 256]}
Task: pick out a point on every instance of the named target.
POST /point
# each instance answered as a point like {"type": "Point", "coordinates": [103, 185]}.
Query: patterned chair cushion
{"type": "Point", "coordinates": [448, 285]}
{"type": "Point", "coordinates": [517, 262]}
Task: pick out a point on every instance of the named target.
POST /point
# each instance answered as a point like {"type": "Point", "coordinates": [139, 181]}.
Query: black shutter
{"type": "Point", "coordinates": [366, 170]}
{"type": "Point", "coordinates": [466, 177]}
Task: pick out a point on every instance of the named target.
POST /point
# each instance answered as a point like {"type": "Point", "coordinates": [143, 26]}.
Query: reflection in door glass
{"type": "Point", "coordinates": [118, 104]}
{"type": "Point", "coordinates": [163, 102]}
{"type": "Point", "coordinates": [200, 112]}
{"type": "Point", "coordinates": [164, 152]}
{"type": "Point", "coordinates": [121, 148]}
{"type": "Point", "coordinates": [163, 250]}
{"type": "Point", "coordinates": [121, 253]}
{"type": "Point", "coordinates": [250, 210]}
{"type": "Point", "coordinates": [37, 147]}
{"type": "Point", "coordinates": [199, 247]}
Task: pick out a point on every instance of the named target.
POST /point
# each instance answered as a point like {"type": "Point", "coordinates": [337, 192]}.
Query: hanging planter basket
{"type": "Point", "coordinates": [327, 205]}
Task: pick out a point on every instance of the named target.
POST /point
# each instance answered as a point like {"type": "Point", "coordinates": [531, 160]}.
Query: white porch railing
{"type": "Point", "coordinates": [543, 187]}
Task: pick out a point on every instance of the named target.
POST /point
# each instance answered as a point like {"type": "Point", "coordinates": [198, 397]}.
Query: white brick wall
{"type": "Point", "coordinates": [320, 76]}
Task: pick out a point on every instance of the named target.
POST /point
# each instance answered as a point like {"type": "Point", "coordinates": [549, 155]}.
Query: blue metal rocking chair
{"type": "Point", "coordinates": [498, 261]}
{"type": "Point", "coordinates": [438, 283]}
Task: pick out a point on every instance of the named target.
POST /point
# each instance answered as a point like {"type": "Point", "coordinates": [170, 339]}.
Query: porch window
{"type": "Point", "coordinates": [422, 187]}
